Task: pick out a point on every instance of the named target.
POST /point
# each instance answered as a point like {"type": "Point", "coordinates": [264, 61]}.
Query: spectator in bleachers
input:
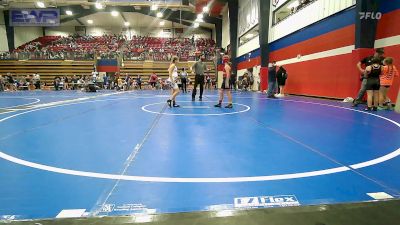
{"type": "Point", "coordinates": [36, 80]}
{"type": "Point", "coordinates": [1, 83]}
{"type": "Point", "coordinates": [183, 76]}
{"type": "Point", "coordinates": [153, 80]}
{"type": "Point", "coordinates": [139, 81]}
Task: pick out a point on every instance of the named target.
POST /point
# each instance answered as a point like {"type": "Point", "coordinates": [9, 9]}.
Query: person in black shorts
{"type": "Point", "coordinates": [367, 61]}
{"type": "Point", "coordinates": [281, 77]}
{"type": "Point", "coordinates": [227, 71]}
{"type": "Point", "coordinates": [372, 86]}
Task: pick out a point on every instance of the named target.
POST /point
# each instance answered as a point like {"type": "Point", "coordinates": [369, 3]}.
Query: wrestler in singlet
{"type": "Point", "coordinates": [226, 78]}
{"type": "Point", "coordinates": [172, 81]}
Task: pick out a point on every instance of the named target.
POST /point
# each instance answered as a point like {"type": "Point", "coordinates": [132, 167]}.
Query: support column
{"type": "Point", "coordinates": [218, 34]}
{"type": "Point", "coordinates": [263, 38]}
{"type": "Point", "coordinates": [233, 7]}
{"type": "Point", "coordinates": [365, 32]}
{"type": "Point", "coordinates": [9, 31]}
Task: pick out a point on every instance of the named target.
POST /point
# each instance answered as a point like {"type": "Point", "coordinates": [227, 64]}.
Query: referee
{"type": "Point", "coordinates": [198, 69]}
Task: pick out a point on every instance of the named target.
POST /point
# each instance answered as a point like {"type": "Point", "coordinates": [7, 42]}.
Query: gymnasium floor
{"type": "Point", "coordinates": [72, 154]}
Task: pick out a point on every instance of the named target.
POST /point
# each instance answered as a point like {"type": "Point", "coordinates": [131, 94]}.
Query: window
{"type": "Point", "coordinates": [289, 8]}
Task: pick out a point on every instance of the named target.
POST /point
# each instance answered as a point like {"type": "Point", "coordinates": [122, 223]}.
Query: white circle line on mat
{"type": "Point", "coordinates": [31, 103]}
{"type": "Point", "coordinates": [372, 162]}
{"type": "Point", "coordinates": [247, 108]}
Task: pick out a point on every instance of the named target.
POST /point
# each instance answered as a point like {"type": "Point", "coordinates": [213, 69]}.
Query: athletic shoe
{"type": "Point", "coordinates": [374, 108]}
{"type": "Point", "coordinates": [169, 102]}
{"type": "Point", "coordinates": [193, 99]}
{"type": "Point", "coordinates": [229, 106]}
{"type": "Point", "coordinates": [200, 99]}
{"type": "Point", "coordinates": [175, 105]}
{"type": "Point", "coordinates": [218, 105]}
{"type": "Point", "coordinates": [368, 109]}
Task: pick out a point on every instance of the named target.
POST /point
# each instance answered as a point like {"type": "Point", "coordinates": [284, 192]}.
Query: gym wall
{"type": "Point", "coordinates": [320, 58]}
{"type": "Point", "coordinates": [3, 34]}
{"type": "Point", "coordinates": [26, 34]}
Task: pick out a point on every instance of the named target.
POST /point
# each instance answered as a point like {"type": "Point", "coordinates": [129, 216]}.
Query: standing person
{"type": "Point", "coordinates": [208, 82]}
{"type": "Point", "coordinates": [172, 81]}
{"type": "Point", "coordinates": [184, 76]}
{"type": "Point", "coordinates": [153, 80]}
{"type": "Point", "coordinates": [128, 82]}
{"type": "Point", "coordinates": [389, 71]}
{"type": "Point", "coordinates": [281, 77]}
{"type": "Point", "coordinates": [372, 74]}
{"type": "Point", "coordinates": [1, 83]}
{"type": "Point", "coordinates": [139, 81]}
{"type": "Point", "coordinates": [250, 77]}
{"type": "Point", "coordinates": [225, 84]}
{"type": "Point", "coordinates": [367, 61]}
{"type": "Point", "coordinates": [36, 80]}
{"type": "Point", "coordinates": [198, 69]}
{"type": "Point", "coordinates": [271, 80]}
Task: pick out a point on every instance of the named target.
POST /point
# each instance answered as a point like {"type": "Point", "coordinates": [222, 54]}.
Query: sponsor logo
{"type": "Point", "coordinates": [370, 15]}
{"type": "Point", "coordinates": [126, 208]}
{"type": "Point", "coordinates": [266, 201]}
{"type": "Point", "coordinates": [34, 17]}
{"type": "Point", "coordinates": [107, 208]}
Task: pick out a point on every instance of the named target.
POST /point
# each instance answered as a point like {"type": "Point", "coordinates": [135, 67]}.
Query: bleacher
{"type": "Point", "coordinates": [36, 56]}
{"type": "Point", "coordinates": [47, 69]}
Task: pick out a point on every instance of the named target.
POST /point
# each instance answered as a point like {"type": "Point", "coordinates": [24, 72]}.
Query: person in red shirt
{"type": "Point", "coordinates": [153, 80]}
{"type": "Point", "coordinates": [225, 84]}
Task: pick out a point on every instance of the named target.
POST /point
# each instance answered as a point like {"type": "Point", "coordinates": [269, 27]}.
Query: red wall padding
{"type": "Point", "coordinates": [388, 25]}
{"type": "Point", "coordinates": [327, 77]}
{"type": "Point", "coordinates": [332, 40]}
{"type": "Point", "coordinates": [394, 51]}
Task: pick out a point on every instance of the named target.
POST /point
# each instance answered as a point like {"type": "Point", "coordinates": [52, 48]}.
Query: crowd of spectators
{"type": "Point", "coordinates": [111, 47]}
{"type": "Point", "coordinates": [162, 49]}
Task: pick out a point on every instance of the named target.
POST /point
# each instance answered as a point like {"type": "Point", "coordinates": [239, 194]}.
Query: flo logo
{"type": "Point", "coordinates": [266, 201]}
{"type": "Point", "coordinates": [370, 15]}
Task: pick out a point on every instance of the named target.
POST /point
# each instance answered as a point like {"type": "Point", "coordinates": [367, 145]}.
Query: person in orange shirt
{"type": "Point", "coordinates": [389, 71]}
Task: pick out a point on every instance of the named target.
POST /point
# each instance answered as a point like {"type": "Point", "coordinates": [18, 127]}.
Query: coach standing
{"type": "Point", "coordinates": [367, 61]}
{"type": "Point", "coordinates": [198, 69]}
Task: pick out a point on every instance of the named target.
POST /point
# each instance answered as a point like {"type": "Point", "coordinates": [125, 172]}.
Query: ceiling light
{"type": "Point", "coordinates": [90, 21]}
{"type": "Point", "coordinates": [68, 12]}
{"type": "Point", "coordinates": [40, 4]}
{"type": "Point", "coordinates": [196, 25]}
{"type": "Point", "coordinates": [206, 9]}
{"type": "Point", "coordinates": [200, 16]}
{"type": "Point", "coordinates": [154, 7]}
{"type": "Point", "coordinates": [114, 13]}
{"type": "Point", "coordinates": [159, 14]}
{"type": "Point", "coordinates": [99, 5]}
{"type": "Point", "coordinates": [127, 24]}
{"type": "Point", "coordinates": [162, 23]}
